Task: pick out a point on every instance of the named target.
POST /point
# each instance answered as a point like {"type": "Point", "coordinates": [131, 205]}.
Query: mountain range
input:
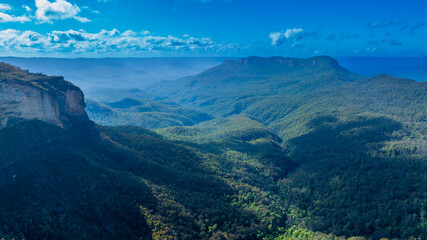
{"type": "Point", "coordinates": [255, 148]}
{"type": "Point", "coordinates": [92, 74]}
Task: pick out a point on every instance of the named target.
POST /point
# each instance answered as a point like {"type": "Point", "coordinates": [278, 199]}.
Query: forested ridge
{"type": "Point", "coordinates": [257, 148]}
{"type": "Point", "coordinates": [359, 142]}
{"type": "Point", "coordinates": [129, 183]}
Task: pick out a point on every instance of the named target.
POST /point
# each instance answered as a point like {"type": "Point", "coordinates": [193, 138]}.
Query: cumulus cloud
{"type": "Point", "coordinates": [59, 9]}
{"type": "Point", "coordinates": [6, 17]}
{"type": "Point", "coordinates": [5, 7]}
{"type": "Point", "coordinates": [82, 19]}
{"type": "Point", "coordinates": [27, 8]}
{"type": "Point", "coordinates": [291, 36]}
{"type": "Point", "coordinates": [105, 42]}
{"type": "Point", "coordinates": [9, 18]}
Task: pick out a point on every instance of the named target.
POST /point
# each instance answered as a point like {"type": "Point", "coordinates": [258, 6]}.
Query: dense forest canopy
{"type": "Point", "coordinates": [257, 148]}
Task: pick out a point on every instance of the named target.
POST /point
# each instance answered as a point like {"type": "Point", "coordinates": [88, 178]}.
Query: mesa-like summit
{"type": "Point", "coordinates": [254, 148]}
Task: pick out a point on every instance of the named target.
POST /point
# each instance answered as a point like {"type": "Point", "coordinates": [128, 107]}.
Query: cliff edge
{"type": "Point", "coordinates": [29, 96]}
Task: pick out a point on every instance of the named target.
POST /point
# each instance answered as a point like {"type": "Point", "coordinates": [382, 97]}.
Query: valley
{"type": "Point", "coordinates": [254, 148]}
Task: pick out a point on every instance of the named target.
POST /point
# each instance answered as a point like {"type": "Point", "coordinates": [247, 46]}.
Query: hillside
{"type": "Point", "coordinates": [241, 86]}
{"type": "Point", "coordinates": [139, 108]}
{"type": "Point", "coordinates": [131, 184]}
{"type": "Point", "coordinates": [90, 182]}
{"type": "Point", "coordinates": [286, 93]}
{"type": "Point", "coordinates": [315, 152]}
{"type": "Point", "coordinates": [360, 142]}
{"type": "Point", "coordinates": [239, 127]}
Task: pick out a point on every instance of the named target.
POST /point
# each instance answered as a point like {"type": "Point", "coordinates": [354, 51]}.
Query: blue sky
{"type": "Point", "coordinates": [190, 28]}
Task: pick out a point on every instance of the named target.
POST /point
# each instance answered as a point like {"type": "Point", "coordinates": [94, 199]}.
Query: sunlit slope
{"type": "Point", "coordinates": [286, 93]}
{"type": "Point", "coordinates": [360, 141]}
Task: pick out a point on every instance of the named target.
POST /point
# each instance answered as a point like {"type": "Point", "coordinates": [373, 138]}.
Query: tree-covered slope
{"type": "Point", "coordinates": [359, 142]}
{"type": "Point", "coordinates": [355, 178]}
{"type": "Point", "coordinates": [235, 86]}
{"type": "Point", "coordinates": [89, 182]}
{"type": "Point", "coordinates": [237, 127]}
{"type": "Point", "coordinates": [286, 93]}
{"type": "Point", "coordinates": [129, 183]}
{"type": "Point", "coordinates": [54, 187]}
{"type": "Point", "coordinates": [146, 113]}
{"type": "Point", "coordinates": [304, 149]}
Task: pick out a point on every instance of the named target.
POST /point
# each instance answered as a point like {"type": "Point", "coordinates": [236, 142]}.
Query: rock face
{"type": "Point", "coordinates": [284, 62]}
{"type": "Point", "coordinates": [26, 96]}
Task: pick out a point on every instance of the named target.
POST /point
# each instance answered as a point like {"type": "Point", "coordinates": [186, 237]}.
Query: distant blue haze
{"type": "Point", "coordinates": [412, 68]}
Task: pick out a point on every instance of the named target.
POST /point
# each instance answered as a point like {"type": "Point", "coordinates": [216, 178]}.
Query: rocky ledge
{"type": "Point", "coordinates": [28, 96]}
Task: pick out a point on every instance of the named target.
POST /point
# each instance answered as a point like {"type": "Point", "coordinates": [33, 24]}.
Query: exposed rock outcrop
{"type": "Point", "coordinates": [26, 96]}
{"type": "Point", "coordinates": [320, 61]}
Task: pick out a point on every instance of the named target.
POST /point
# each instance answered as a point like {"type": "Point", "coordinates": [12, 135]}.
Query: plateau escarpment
{"type": "Point", "coordinates": [27, 96]}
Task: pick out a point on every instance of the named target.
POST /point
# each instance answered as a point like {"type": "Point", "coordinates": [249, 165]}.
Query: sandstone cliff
{"type": "Point", "coordinates": [27, 96]}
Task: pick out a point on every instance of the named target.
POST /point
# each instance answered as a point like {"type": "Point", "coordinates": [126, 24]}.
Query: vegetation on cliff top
{"type": "Point", "coordinates": [51, 84]}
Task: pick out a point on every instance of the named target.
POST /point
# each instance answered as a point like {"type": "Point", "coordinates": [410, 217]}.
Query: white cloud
{"type": "Point", "coordinates": [130, 33]}
{"type": "Point", "coordinates": [82, 19]}
{"type": "Point", "coordinates": [5, 17]}
{"type": "Point", "coordinates": [59, 9]}
{"type": "Point", "coordinates": [72, 41]}
{"type": "Point", "coordinates": [9, 18]}
{"type": "Point", "coordinates": [290, 35]}
{"type": "Point", "coordinates": [27, 8]}
{"type": "Point", "coordinates": [5, 7]}
{"type": "Point", "coordinates": [11, 39]}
